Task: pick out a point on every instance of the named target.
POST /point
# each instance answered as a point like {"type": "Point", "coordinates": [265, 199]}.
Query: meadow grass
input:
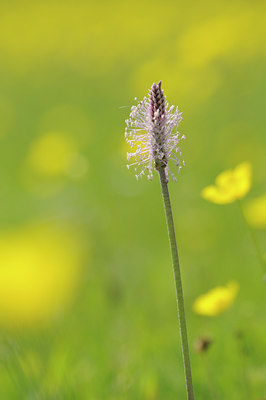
{"type": "Point", "coordinates": [66, 70]}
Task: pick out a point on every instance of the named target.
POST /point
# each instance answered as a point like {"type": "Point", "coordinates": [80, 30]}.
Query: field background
{"type": "Point", "coordinates": [87, 301]}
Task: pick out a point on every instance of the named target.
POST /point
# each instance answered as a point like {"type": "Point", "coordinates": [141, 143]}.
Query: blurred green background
{"type": "Point", "coordinates": [87, 300]}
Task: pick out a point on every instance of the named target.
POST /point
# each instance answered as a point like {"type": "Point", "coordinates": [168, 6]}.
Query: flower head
{"type": "Point", "coordinates": [151, 131]}
{"type": "Point", "coordinates": [230, 185]}
{"type": "Point", "coordinates": [216, 300]}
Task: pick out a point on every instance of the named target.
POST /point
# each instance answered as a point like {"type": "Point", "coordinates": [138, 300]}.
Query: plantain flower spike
{"type": "Point", "coordinates": [151, 132]}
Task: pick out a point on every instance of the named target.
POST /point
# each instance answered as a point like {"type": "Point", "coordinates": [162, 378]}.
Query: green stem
{"type": "Point", "coordinates": [254, 240]}
{"type": "Point", "coordinates": [244, 358]}
{"type": "Point", "coordinates": [209, 375]}
{"type": "Point", "coordinates": [178, 283]}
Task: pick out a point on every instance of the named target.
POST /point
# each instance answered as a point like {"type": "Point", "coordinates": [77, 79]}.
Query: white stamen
{"type": "Point", "coordinates": [153, 134]}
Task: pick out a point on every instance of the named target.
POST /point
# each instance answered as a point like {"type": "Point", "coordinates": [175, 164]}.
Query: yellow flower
{"type": "Point", "coordinates": [255, 212]}
{"type": "Point", "coordinates": [52, 154]}
{"type": "Point", "coordinates": [40, 267]}
{"type": "Point", "coordinates": [216, 300]}
{"type": "Point", "coordinates": [230, 185]}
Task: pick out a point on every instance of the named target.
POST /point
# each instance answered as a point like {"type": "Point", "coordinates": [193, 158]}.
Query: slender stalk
{"type": "Point", "coordinates": [254, 240]}
{"type": "Point", "coordinates": [208, 371]}
{"type": "Point", "coordinates": [178, 283]}
{"type": "Point", "coordinates": [243, 354]}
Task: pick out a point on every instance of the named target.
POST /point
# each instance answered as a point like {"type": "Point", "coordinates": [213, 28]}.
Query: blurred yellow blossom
{"type": "Point", "coordinates": [230, 185]}
{"type": "Point", "coordinates": [222, 36]}
{"type": "Point", "coordinates": [40, 266]}
{"type": "Point", "coordinates": [149, 386]}
{"type": "Point", "coordinates": [255, 212]}
{"type": "Point", "coordinates": [216, 300]}
{"type": "Point", "coordinates": [53, 34]}
{"type": "Point", "coordinates": [52, 154]}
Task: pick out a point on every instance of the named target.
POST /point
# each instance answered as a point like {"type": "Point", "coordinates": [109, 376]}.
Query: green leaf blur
{"type": "Point", "coordinates": [87, 300]}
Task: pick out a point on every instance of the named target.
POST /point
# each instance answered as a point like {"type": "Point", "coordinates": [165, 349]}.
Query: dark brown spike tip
{"type": "Point", "coordinates": [159, 85]}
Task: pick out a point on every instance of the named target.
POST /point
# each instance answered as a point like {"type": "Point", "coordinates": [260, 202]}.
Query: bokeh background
{"type": "Point", "coordinates": [87, 300]}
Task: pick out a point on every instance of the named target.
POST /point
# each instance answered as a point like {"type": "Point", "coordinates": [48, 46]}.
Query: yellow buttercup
{"type": "Point", "coordinates": [216, 300]}
{"type": "Point", "coordinates": [40, 267]}
{"type": "Point", "coordinates": [230, 185]}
